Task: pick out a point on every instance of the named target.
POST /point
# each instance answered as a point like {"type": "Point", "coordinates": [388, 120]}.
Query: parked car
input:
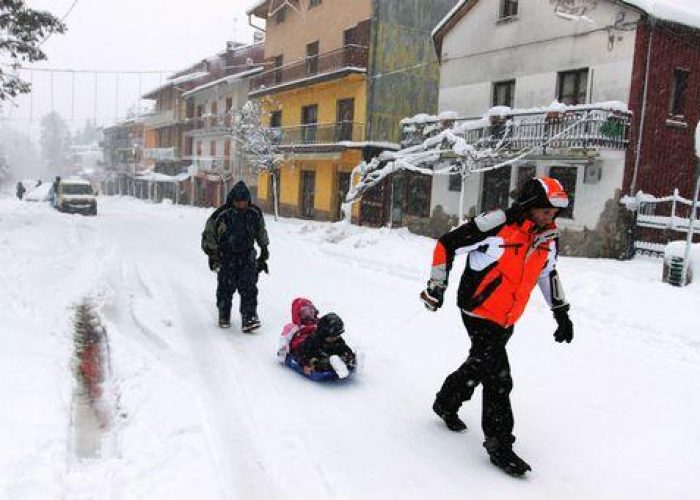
{"type": "Point", "coordinates": [76, 196]}
{"type": "Point", "coordinates": [39, 193]}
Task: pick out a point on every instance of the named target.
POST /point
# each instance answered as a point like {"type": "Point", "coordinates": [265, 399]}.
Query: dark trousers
{"type": "Point", "coordinates": [487, 365]}
{"type": "Point", "coordinates": [238, 274]}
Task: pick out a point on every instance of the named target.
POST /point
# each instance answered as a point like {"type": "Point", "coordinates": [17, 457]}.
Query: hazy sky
{"type": "Point", "coordinates": [118, 36]}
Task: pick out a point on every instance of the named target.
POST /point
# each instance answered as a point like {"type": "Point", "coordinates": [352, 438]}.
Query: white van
{"type": "Point", "coordinates": [76, 196]}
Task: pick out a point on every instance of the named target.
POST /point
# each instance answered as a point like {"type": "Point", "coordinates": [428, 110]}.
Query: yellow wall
{"type": "Point", "coordinates": [325, 95]}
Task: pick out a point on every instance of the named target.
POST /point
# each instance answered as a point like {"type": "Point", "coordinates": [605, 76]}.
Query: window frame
{"type": "Point", "coordinates": [676, 101]}
{"type": "Point", "coordinates": [314, 3]}
{"type": "Point", "coordinates": [509, 85]}
{"type": "Point", "coordinates": [576, 73]}
{"type": "Point", "coordinates": [508, 9]}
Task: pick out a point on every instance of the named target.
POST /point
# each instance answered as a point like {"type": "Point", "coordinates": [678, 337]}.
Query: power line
{"type": "Point", "coordinates": [65, 16]}
{"type": "Point", "coordinates": [103, 71]}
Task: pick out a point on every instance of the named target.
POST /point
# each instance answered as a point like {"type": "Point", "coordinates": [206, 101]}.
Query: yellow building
{"type": "Point", "coordinates": [314, 92]}
{"type": "Point", "coordinates": [339, 76]}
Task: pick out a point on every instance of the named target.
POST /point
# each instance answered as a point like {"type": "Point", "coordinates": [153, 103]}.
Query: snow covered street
{"type": "Point", "coordinates": [200, 412]}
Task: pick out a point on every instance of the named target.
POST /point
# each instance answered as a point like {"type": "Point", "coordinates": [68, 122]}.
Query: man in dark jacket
{"type": "Point", "coordinates": [20, 190]}
{"type": "Point", "coordinates": [508, 252]}
{"type": "Point", "coordinates": [228, 240]}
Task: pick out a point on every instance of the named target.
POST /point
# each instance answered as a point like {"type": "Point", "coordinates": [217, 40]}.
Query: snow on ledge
{"type": "Point", "coordinates": [686, 12]}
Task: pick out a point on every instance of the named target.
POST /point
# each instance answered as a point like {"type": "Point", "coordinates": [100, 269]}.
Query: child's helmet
{"type": "Point", "coordinates": [330, 325]}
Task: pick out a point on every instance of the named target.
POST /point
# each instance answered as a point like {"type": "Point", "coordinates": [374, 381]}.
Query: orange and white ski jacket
{"type": "Point", "coordinates": [504, 261]}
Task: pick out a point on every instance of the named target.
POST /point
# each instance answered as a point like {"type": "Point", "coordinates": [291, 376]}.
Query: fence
{"type": "Point", "coordinates": [667, 213]}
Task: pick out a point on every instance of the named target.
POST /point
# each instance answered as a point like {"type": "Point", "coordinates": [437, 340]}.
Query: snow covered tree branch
{"type": "Point", "coordinates": [22, 30]}
{"type": "Point", "coordinates": [258, 143]}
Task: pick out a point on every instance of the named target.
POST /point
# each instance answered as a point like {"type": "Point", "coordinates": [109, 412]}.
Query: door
{"type": "Point", "coordinates": [343, 188]}
{"type": "Point", "coordinates": [495, 190]}
{"type": "Point", "coordinates": [309, 120]}
{"type": "Point", "coordinates": [308, 188]}
{"type": "Point", "coordinates": [345, 116]}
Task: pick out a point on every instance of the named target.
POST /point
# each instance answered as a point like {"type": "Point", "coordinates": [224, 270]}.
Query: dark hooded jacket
{"type": "Point", "coordinates": [317, 348]}
{"type": "Point", "coordinates": [231, 231]}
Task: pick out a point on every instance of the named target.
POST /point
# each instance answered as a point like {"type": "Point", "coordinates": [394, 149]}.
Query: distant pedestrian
{"type": "Point", "coordinates": [20, 190]}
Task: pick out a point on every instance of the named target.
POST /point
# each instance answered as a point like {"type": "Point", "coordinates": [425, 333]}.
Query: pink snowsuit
{"type": "Point", "coordinates": [304, 320]}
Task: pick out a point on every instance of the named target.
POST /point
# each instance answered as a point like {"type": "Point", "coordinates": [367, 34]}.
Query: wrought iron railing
{"type": "Point", "coordinates": [319, 133]}
{"type": "Point", "coordinates": [580, 128]}
{"type": "Point", "coordinates": [350, 56]}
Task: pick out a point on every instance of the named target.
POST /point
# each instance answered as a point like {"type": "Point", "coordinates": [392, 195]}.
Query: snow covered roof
{"type": "Point", "coordinates": [226, 79]}
{"type": "Point", "coordinates": [686, 12]}
{"type": "Point", "coordinates": [189, 77]}
{"type": "Point", "coordinates": [448, 16]}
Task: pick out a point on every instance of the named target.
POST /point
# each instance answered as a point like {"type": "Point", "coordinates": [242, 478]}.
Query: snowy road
{"type": "Point", "coordinates": [200, 412]}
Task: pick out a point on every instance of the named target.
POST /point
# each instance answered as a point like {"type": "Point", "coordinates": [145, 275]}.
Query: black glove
{"type": "Point", "coordinates": [433, 296]}
{"type": "Point", "coordinates": [261, 263]}
{"type": "Point", "coordinates": [565, 329]}
{"type": "Point", "coordinates": [261, 266]}
{"type": "Point", "coordinates": [214, 264]}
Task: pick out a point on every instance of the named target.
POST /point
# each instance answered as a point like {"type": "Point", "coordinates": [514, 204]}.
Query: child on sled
{"type": "Point", "coordinates": [314, 346]}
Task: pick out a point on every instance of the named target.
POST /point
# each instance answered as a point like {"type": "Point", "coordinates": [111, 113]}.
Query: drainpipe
{"type": "Point", "coordinates": [642, 116]}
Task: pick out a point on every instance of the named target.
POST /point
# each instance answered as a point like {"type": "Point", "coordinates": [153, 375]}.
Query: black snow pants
{"type": "Point", "coordinates": [238, 273]}
{"type": "Point", "coordinates": [487, 365]}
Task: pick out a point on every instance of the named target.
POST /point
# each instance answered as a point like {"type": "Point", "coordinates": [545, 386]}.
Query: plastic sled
{"type": "Point", "coordinates": [317, 376]}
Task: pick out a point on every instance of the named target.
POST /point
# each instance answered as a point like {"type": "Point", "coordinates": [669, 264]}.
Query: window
{"type": "Point", "coordinates": [573, 86]}
{"type": "Point", "coordinates": [314, 3]}
{"type": "Point", "coordinates": [495, 189]}
{"type": "Point", "coordinates": [567, 177]}
{"type": "Point", "coordinates": [312, 58]}
{"type": "Point", "coordinates": [278, 61]}
{"type": "Point", "coordinates": [345, 116]}
{"type": "Point", "coordinates": [418, 195]}
{"type": "Point", "coordinates": [503, 93]}
{"type": "Point", "coordinates": [455, 182]}
{"type": "Point", "coordinates": [509, 8]}
{"type": "Point", "coordinates": [276, 119]}
{"type": "Point", "coordinates": [280, 15]}
{"type": "Point", "coordinates": [229, 110]}
{"type": "Point", "coordinates": [680, 84]}
{"type": "Point", "coordinates": [309, 118]}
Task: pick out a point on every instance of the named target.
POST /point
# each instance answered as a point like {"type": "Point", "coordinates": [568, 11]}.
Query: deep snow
{"type": "Point", "coordinates": [199, 412]}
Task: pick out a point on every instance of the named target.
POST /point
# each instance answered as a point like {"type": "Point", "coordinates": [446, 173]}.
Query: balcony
{"type": "Point", "coordinates": [589, 127]}
{"type": "Point", "coordinates": [160, 153]}
{"type": "Point", "coordinates": [160, 119]}
{"type": "Point", "coordinates": [319, 133]}
{"type": "Point", "coordinates": [350, 58]}
{"type": "Point", "coordinates": [209, 125]}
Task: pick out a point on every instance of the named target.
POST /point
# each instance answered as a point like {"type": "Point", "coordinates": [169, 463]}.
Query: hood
{"type": "Point", "coordinates": [239, 192]}
{"type": "Point", "coordinates": [296, 308]}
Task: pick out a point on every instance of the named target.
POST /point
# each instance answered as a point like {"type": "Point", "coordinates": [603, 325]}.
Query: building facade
{"type": "Point", "coordinates": [218, 162]}
{"type": "Point", "coordinates": [338, 78]}
{"type": "Point", "coordinates": [496, 54]}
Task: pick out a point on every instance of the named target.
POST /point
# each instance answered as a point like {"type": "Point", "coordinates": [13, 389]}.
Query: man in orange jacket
{"type": "Point", "coordinates": [508, 252]}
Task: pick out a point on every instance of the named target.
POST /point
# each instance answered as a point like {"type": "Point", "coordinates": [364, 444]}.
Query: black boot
{"type": "Point", "coordinates": [250, 323]}
{"type": "Point", "coordinates": [452, 421]}
{"type": "Point", "coordinates": [224, 320]}
{"type": "Point", "coordinates": [503, 457]}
